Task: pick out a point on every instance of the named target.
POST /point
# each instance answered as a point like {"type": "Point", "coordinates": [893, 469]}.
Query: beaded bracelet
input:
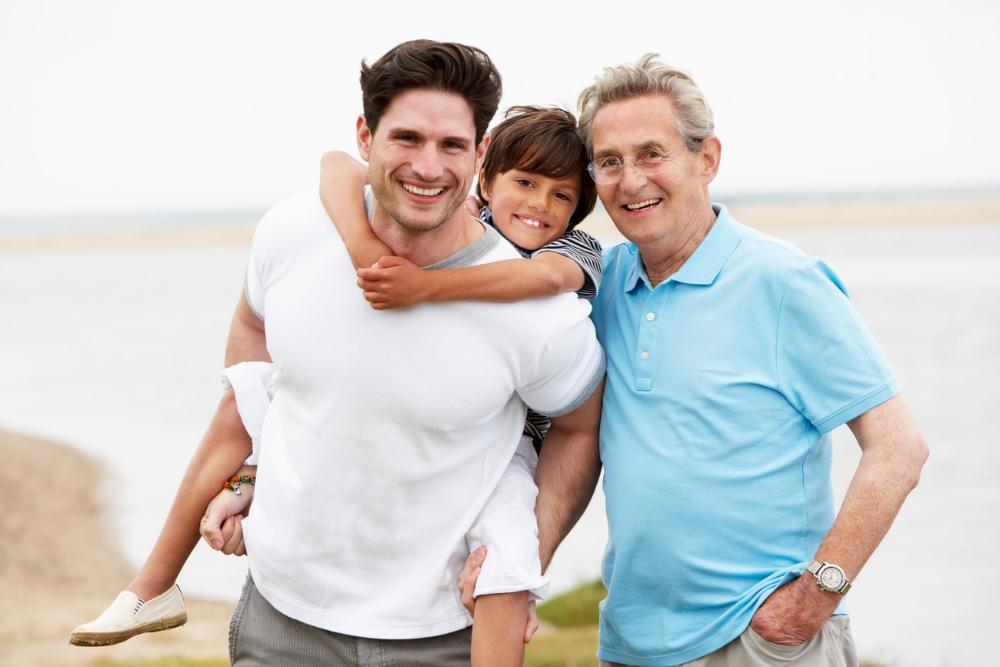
{"type": "Point", "coordinates": [236, 481]}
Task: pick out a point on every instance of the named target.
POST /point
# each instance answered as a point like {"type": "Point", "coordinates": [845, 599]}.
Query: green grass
{"type": "Point", "coordinates": [566, 647]}
{"type": "Point", "coordinates": [574, 609]}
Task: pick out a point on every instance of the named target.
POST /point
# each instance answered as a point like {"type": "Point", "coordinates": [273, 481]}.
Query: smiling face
{"type": "Point", "coordinates": [529, 209]}
{"type": "Point", "coordinates": [666, 203]}
{"type": "Point", "coordinates": [422, 158]}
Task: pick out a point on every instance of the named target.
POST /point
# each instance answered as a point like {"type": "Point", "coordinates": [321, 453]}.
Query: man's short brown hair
{"type": "Point", "coordinates": [540, 140]}
{"type": "Point", "coordinates": [424, 63]}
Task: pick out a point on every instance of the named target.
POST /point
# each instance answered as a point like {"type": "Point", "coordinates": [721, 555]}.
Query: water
{"type": "Point", "coordinates": [116, 351]}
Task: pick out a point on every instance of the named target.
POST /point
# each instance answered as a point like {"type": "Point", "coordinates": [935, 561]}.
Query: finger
{"type": "Point", "coordinates": [241, 550]}
{"type": "Point", "coordinates": [477, 557]}
{"type": "Point", "coordinates": [469, 590]}
{"type": "Point", "coordinates": [532, 626]}
{"type": "Point", "coordinates": [235, 538]}
{"type": "Point", "coordinates": [373, 274]}
{"type": "Point", "coordinates": [211, 525]}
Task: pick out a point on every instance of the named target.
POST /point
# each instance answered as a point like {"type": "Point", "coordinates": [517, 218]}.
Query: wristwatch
{"type": "Point", "coordinates": [830, 577]}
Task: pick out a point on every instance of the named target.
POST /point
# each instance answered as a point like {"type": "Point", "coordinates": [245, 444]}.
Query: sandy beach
{"type": "Point", "coordinates": [60, 565]}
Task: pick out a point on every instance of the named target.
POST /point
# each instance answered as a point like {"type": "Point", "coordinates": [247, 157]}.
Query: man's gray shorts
{"type": "Point", "coordinates": [261, 636]}
{"type": "Point", "coordinates": [833, 646]}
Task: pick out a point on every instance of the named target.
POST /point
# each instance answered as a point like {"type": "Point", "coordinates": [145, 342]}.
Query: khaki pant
{"type": "Point", "coordinates": [833, 646]}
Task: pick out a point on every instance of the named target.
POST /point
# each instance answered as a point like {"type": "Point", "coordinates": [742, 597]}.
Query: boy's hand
{"type": "Point", "coordinates": [394, 282]}
{"type": "Point", "coordinates": [473, 206]}
{"type": "Point", "coordinates": [220, 526]}
{"type": "Point", "coordinates": [467, 579]}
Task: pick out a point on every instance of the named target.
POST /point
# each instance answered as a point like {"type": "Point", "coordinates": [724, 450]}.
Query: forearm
{"type": "Point", "coordinates": [884, 478]}
{"type": "Point", "coordinates": [568, 468]}
{"type": "Point", "coordinates": [504, 282]}
{"type": "Point", "coordinates": [342, 182]}
{"type": "Point", "coordinates": [498, 630]}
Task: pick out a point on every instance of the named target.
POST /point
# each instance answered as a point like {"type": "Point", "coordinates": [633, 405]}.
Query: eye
{"type": "Point", "coordinates": [453, 145]}
{"type": "Point", "coordinates": [565, 197]}
{"type": "Point", "coordinates": [652, 157]}
{"type": "Point", "coordinates": [609, 163]}
{"type": "Point", "coordinates": [523, 182]}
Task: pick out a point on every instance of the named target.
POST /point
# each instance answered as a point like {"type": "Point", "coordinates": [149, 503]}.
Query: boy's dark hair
{"type": "Point", "coordinates": [541, 140]}
{"type": "Point", "coordinates": [424, 63]}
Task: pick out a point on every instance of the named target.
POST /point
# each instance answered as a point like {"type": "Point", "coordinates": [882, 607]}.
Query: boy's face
{"type": "Point", "coordinates": [529, 209]}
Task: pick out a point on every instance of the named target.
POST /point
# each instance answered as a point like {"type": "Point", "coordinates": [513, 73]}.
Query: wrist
{"type": "Point", "coordinates": [431, 285]}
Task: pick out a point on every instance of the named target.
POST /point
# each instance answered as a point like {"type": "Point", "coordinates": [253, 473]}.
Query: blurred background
{"type": "Point", "coordinates": [141, 141]}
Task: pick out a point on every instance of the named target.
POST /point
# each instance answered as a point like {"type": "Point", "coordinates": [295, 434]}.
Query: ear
{"type": "Point", "coordinates": [364, 138]}
{"type": "Point", "coordinates": [483, 187]}
{"type": "Point", "coordinates": [711, 154]}
{"type": "Point", "coordinates": [481, 151]}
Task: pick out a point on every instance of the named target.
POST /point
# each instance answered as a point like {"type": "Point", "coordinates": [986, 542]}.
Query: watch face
{"type": "Point", "coordinates": [831, 577]}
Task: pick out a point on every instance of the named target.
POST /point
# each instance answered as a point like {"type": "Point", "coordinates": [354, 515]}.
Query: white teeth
{"type": "Point", "coordinates": [530, 222]}
{"type": "Point", "coordinates": [642, 204]}
{"type": "Point", "coordinates": [425, 192]}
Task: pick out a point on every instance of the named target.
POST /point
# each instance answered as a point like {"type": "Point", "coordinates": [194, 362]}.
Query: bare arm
{"type": "Point", "coordinates": [246, 341]}
{"type": "Point", "coordinates": [498, 630]}
{"type": "Point", "coordinates": [568, 468]}
{"type": "Point", "coordinates": [341, 183]}
{"type": "Point", "coordinates": [397, 283]}
{"type": "Point", "coordinates": [893, 453]}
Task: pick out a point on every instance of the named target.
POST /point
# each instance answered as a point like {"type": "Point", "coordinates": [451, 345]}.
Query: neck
{"type": "Point", "coordinates": [663, 259]}
{"type": "Point", "coordinates": [424, 247]}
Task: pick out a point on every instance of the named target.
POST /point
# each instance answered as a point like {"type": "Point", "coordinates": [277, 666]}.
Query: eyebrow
{"type": "Point", "coordinates": [400, 132]}
{"type": "Point", "coordinates": [644, 146]}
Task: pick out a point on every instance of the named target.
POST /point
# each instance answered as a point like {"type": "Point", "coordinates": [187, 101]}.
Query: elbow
{"type": "Point", "coordinates": [552, 283]}
{"type": "Point", "coordinates": [917, 455]}
{"type": "Point", "coordinates": [333, 158]}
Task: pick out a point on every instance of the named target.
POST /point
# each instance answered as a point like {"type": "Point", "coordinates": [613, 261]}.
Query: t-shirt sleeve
{"type": "Point", "coordinates": [585, 250]}
{"type": "Point", "coordinates": [570, 366]}
{"type": "Point", "coordinates": [280, 236]}
{"type": "Point", "coordinates": [253, 287]}
{"type": "Point", "coordinates": [828, 364]}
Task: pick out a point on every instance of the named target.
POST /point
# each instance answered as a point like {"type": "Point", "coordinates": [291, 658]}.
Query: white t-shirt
{"type": "Point", "coordinates": [389, 429]}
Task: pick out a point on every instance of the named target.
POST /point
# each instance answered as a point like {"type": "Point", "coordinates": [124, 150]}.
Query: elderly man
{"type": "Point", "coordinates": [731, 357]}
{"type": "Point", "coordinates": [389, 430]}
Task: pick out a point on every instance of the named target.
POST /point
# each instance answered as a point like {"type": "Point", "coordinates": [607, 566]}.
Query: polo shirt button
{"type": "Point", "coordinates": [650, 316]}
{"type": "Point", "coordinates": [644, 355]}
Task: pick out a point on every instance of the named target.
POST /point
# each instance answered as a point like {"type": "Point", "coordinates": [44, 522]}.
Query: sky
{"type": "Point", "coordinates": [139, 105]}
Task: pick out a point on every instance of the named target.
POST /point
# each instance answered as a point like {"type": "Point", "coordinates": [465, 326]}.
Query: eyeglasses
{"type": "Point", "coordinates": [608, 170]}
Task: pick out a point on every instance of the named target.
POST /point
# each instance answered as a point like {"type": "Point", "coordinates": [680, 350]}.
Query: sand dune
{"type": "Point", "coordinates": [60, 565]}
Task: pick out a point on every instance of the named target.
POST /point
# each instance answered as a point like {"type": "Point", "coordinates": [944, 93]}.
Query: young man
{"type": "Point", "coordinates": [389, 430]}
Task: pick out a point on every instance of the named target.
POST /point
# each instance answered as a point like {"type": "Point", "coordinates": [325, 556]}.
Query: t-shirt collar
{"type": "Point", "coordinates": [705, 264]}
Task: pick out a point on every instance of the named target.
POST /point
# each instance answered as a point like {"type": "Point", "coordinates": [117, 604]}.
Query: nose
{"type": "Point", "coordinates": [632, 179]}
{"type": "Point", "coordinates": [539, 201]}
{"type": "Point", "coordinates": [426, 163]}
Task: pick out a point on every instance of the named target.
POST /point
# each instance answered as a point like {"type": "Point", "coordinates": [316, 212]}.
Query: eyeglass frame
{"type": "Point", "coordinates": [648, 170]}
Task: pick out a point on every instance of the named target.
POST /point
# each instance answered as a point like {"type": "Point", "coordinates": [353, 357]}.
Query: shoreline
{"type": "Point", "coordinates": [60, 564]}
{"type": "Point", "coordinates": [765, 216]}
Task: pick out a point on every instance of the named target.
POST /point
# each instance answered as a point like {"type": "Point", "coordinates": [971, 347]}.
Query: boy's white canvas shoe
{"type": "Point", "coordinates": [128, 616]}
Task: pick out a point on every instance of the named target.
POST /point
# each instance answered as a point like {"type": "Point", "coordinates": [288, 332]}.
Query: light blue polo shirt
{"type": "Point", "coordinates": [723, 384]}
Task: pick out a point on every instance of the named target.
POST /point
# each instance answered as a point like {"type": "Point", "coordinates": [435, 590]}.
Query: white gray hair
{"type": "Point", "coordinates": [649, 76]}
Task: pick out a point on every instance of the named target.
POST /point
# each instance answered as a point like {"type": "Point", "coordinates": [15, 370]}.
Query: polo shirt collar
{"type": "Point", "coordinates": [705, 264]}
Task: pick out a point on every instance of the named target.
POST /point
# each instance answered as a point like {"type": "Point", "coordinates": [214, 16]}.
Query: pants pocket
{"type": "Point", "coordinates": [778, 652]}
